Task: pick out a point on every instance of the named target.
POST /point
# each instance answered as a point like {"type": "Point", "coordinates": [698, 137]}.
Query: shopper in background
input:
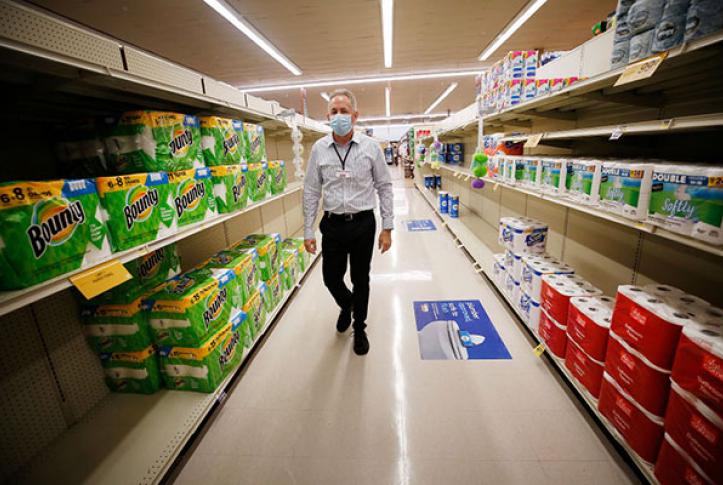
{"type": "Point", "coordinates": [345, 168]}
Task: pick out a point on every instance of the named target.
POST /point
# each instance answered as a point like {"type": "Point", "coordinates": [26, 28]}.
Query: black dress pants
{"type": "Point", "coordinates": [348, 242]}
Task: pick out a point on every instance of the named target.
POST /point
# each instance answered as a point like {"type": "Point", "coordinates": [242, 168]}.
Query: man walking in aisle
{"type": "Point", "coordinates": [347, 167]}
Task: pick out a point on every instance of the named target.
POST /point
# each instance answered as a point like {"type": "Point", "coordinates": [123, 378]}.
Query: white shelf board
{"type": "Point", "coordinates": [642, 226]}
{"type": "Point", "coordinates": [12, 300]}
{"type": "Point", "coordinates": [483, 259]}
{"type": "Point", "coordinates": [682, 123]}
{"type": "Point", "coordinates": [132, 438]}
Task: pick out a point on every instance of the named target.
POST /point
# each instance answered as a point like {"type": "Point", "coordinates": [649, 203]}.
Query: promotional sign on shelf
{"type": "Point", "coordinates": [457, 330]}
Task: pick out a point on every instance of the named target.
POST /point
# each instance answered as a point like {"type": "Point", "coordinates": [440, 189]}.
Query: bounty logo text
{"type": "Point", "coordinates": [228, 348]}
{"type": "Point", "coordinates": [150, 264]}
{"type": "Point", "coordinates": [214, 306]}
{"type": "Point", "coordinates": [180, 142]}
{"type": "Point", "coordinates": [189, 196]}
{"type": "Point", "coordinates": [139, 205]}
{"type": "Point", "coordinates": [230, 144]}
{"type": "Point", "coordinates": [53, 223]}
{"type": "Point", "coordinates": [238, 187]}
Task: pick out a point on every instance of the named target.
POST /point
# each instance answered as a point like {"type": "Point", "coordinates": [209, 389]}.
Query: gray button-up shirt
{"type": "Point", "coordinates": [366, 170]}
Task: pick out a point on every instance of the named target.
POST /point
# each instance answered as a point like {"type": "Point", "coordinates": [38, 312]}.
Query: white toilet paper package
{"type": "Point", "coordinates": [498, 269]}
{"type": "Point", "coordinates": [48, 229]}
{"type": "Point", "coordinates": [689, 200]}
{"type": "Point", "coordinates": [152, 141]}
{"type": "Point", "coordinates": [532, 273]}
{"type": "Point", "coordinates": [522, 235]}
{"type": "Point", "coordinates": [585, 180]}
{"type": "Point", "coordinates": [530, 309]}
{"type": "Point", "coordinates": [625, 188]}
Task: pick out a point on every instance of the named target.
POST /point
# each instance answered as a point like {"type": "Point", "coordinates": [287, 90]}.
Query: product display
{"type": "Point", "coordinates": [134, 372]}
{"type": "Point", "coordinates": [267, 246]}
{"type": "Point", "coordinates": [148, 272]}
{"type": "Point", "coordinates": [625, 188]}
{"type": "Point", "coordinates": [242, 264]}
{"type": "Point", "coordinates": [230, 187]}
{"type": "Point", "coordinates": [221, 141]}
{"type": "Point", "coordinates": [254, 143]}
{"type": "Point", "coordinates": [522, 235]}
{"type": "Point", "coordinates": [277, 176]}
{"type": "Point", "coordinates": [297, 245]}
{"type": "Point", "coordinates": [257, 183]}
{"type": "Point", "coordinates": [255, 310]}
{"type": "Point", "coordinates": [116, 324]}
{"type": "Point", "coordinates": [193, 196]}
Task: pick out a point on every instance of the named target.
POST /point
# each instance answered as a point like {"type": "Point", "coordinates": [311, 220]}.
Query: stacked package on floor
{"type": "Point", "coordinates": [556, 292]}
{"type": "Point", "coordinates": [688, 200]}
{"type": "Point", "coordinates": [153, 141]}
{"type": "Point", "coordinates": [192, 195]}
{"type": "Point", "coordinates": [644, 338]}
{"type": "Point", "coordinates": [221, 140]}
{"type": "Point", "coordinates": [49, 229]}
{"type": "Point", "coordinates": [203, 367]}
{"type": "Point", "coordinates": [138, 208]}
{"type": "Point", "coordinates": [277, 176]}
{"type": "Point", "coordinates": [625, 188]}
{"type": "Point", "coordinates": [230, 187]}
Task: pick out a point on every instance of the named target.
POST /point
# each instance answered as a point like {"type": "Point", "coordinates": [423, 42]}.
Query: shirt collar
{"type": "Point", "coordinates": [356, 137]}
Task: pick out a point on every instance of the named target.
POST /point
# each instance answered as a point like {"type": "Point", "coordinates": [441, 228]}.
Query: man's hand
{"type": "Point", "coordinates": [385, 240]}
{"type": "Point", "coordinates": [310, 245]}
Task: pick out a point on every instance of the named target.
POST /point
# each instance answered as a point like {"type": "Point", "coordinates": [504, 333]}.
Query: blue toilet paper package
{"type": "Point", "coordinates": [704, 17]}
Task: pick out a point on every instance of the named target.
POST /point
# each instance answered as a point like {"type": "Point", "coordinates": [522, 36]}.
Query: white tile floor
{"type": "Point", "coordinates": [309, 411]}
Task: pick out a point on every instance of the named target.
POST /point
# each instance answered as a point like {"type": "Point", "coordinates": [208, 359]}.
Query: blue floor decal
{"type": "Point", "coordinates": [457, 330]}
{"type": "Point", "coordinates": [420, 225]}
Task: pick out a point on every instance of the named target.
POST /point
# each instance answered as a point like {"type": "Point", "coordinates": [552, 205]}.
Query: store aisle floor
{"type": "Point", "coordinates": [307, 410]}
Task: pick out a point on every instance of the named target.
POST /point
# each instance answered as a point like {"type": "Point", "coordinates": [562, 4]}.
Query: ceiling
{"type": "Point", "coordinates": [332, 39]}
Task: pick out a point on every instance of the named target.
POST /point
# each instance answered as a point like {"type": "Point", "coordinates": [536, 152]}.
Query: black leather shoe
{"type": "Point", "coordinates": [361, 342]}
{"type": "Point", "coordinates": [344, 321]}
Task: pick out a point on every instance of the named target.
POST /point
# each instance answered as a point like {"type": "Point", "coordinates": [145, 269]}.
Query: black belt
{"type": "Point", "coordinates": [348, 217]}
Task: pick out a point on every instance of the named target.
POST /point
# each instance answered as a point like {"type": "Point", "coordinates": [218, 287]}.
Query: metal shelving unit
{"type": "Point", "coordinates": [135, 438]}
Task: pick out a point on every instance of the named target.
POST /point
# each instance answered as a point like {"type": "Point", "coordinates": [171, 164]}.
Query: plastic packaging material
{"type": "Point", "coordinates": [586, 370]}
{"type": "Point", "coordinates": [621, 54]}
{"type": "Point", "coordinates": [553, 334]}
{"type": "Point", "coordinates": [588, 324]}
{"type": "Point", "coordinates": [558, 289]}
{"type": "Point", "coordinates": [641, 45]}
{"type": "Point", "coordinates": [133, 372]}
{"type": "Point", "coordinates": [674, 466]}
{"type": "Point", "coordinates": [644, 15]}
{"type": "Point", "coordinates": [704, 17]}
{"type": "Point", "coordinates": [670, 31]}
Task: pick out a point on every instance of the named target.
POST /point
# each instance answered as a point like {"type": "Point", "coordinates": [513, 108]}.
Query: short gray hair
{"type": "Point", "coordinates": [346, 93]}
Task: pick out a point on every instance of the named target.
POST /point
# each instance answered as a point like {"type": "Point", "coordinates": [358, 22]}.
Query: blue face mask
{"type": "Point", "coordinates": [341, 124]}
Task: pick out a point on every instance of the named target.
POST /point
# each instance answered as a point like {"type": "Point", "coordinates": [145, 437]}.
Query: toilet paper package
{"type": "Point", "coordinates": [625, 188]}
{"type": "Point", "coordinates": [268, 247]}
{"type": "Point", "coordinates": [133, 372]}
{"type": "Point", "coordinates": [531, 311]}
{"type": "Point", "coordinates": [242, 264]}
{"type": "Point", "coordinates": [499, 271]}
{"type": "Point", "coordinates": [513, 263]}
{"type": "Point", "coordinates": [153, 141]}
{"type": "Point", "coordinates": [553, 334]}
{"type": "Point", "coordinates": [642, 431]}
{"type": "Point", "coordinates": [522, 235]}
{"type": "Point", "coordinates": [674, 466]}
{"type": "Point", "coordinates": [48, 229]}
{"type": "Point", "coordinates": [670, 31]}
{"type": "Point", "coordinates": [643, 15]}
{"type": "Point", "coordinates": [191, 306]}
{"type": "Point", "coordinates": [641, 45]}
{"type": "Point", "coordinates": [585, 181]}
{"type": "Point", "coordinates": [532, 172]}
{"type": "Point", "coordinates": [257, 184]}
{"type": "Point", "coordinates": [704, 17]}
{"type": "Point", "coordinates": [254, 143]}
{"type": "Point", "coordinates": [512, 288]}
{"type": "Point", "coordinates": [230, 187]}
{"type": "Point", "coordinates": [623, 7]}
{"type": "Point", "coordinates": [255, 310]}
{"type": "Point", "coordinates": [688, 200]}
{"type": "Point", "coordinates": [116, 324]}
{"type": "Point", "coordinates": [698, 364]}
{"type": "Point", "coordinates": [138, 208]}
{"type": "Point", "coordinates": [648, 324]}
{"type": "Point", "coordinates": [192, 193]}
{"type": "Point", "coordinates": [643, 381]}
{"type": "Point", "coordinates": [202, 368]}
{"type": "Point", "coordinates": [557, 290]}
{"type": "Point", "coordinates": [588, 324]}
{"type": "Point", "coordinates": [533, 270]}
{"type": "Point", "coordinates": [554, 175]}
{"type": "Point", "coordinates": [586, 370]}
{"type": "Point", "coordinates": [298, 244]}
{"type": "Point", "coordinates": [697, 430]}
{"type": "Point", "coordinates": [221, 141]}
{"type": "Point", "coordinates": [277, 176]}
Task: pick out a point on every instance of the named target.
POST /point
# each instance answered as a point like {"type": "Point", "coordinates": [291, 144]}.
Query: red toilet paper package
{"type": "Point", "coordinates": [584, 368]}
{"type": "Point", "coordinates": [557, 289]}
{"type": "Point", "coordinates": [588, 324]}
{"type": "Point", "coordinates": [553, 334]}
{"type": "Point", "coordinates": [674, 467]}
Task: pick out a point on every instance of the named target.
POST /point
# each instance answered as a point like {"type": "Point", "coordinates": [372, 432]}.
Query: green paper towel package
{"type": "Point", "coordinates": [267, 248]}
{"type": "Point", "coordinates": [220, 141]}
{"type": "Point", "coordinates": [192, 193]}
{"type": "Point", "coordinates": [257, 181]}
{"type": "Point", "coordinates": [298, 245]}
{"type": "Point", "coordinates": [132, 372]}
{"type": "Point", "coordinates": [149, 271]}
{"type": "Point", "coordinates": [290, 265]}
{"type": "Point", "coordinates": [153, 141]}
{"type": "Point", "coordinates": [625, 188]}
{"type": "Point", "coordinates": [230, 187]}
{"type": "Point", "coordinates": [277, 176]}
{"type": "Point", "coordinates": [48, 229]}
{"type": "Point", "coordinates": [274, 291]}
{"type": "Point", "coordinates": [204, 367]}
{"type": "Point", "coordinates": [137, 207]}
{"type": "Point", "coordinates": [191, 306]}
{"type": "Point", "coordinates": [242, 264]}
{"type": "Point", "coordinates": [116, 324]}
{"type": "Point", "coordinates": [255, 309]}
{"type": "Point", "coordinates": [254, 143]}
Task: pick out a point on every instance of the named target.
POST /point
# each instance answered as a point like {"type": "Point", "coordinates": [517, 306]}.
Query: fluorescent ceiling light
{"type": "Point", "coordinates": [401, 125]}
{"type": "Point", "coordinates": [388, 100]}
{"type": "Point", "coordinates": [325, 95]}
{"type": "Point", "coordinates": [402, 117]}
{"type": "Point", "coordinates": [441, 97]}
{"type": "Point", "coordinates": [521, 18]}
{"type": "Point", "coordinates": [235, 19]}
{"type": "Point", "coordinates": [387, 30]}
{"type": "Point", "coordinates": [361, 80]}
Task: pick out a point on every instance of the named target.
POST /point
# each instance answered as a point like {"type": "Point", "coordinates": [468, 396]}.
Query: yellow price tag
{"type": "Point", "coordinates": [533, 140]}
{"type": "Point", "coordinates": [96, 280]}
{"type": "Point", "coordinates": [494, 187]}
{"type": "Point", "coordinates": [539, 350]}
{"type": "Point", "coordinates": [641, 69]}
{"type": "Point", "coordinates": [666, 124]}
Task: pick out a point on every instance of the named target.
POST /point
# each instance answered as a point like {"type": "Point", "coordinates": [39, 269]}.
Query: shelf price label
{"type": "Point", "coordinates": [94, 281]}
{"type": "Point", "coordinates": [533, 140]}
{"type": "Point", "coordinates": [616, 133]}
{"type": "Point", "coordinates": [641, 69]}
{"type": "Point", "coordinates": [539, 350]}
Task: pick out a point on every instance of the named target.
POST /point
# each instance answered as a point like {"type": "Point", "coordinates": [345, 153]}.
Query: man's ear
{"type": "Point", "coordinates": [354, 116]}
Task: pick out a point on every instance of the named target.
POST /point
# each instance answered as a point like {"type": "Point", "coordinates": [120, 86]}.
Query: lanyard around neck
{"type": "Point", "coordinates": [343, 160]}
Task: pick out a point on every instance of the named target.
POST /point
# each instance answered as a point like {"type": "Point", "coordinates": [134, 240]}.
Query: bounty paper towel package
{"type": "Point", "coordinates": [191, 306]}
{"type": "Point", "coordinates": [257, 183]}
{"type": "Point", "coordinates": [688, 200]}
{"type": "Point", "coordinates": [585, 181]}
{"type": "Point", "coordinates": [290, 266]}
{"type": "Point", "coordinates": [134, 372]}
{"type": "Point", "coordinates": [203, 368]}
{"type": "Point", "coordinates": [254, 143]}
{"type": "Point", "coordinates": [148, 272]}
{"type": "Point", "coordinates": [230, 187]}
{"type": "Point", "coordinates": [255, 310]}
{"type": "Point", "coordinates": [242, 264]}
{"type": "Point", "coordinates": [277, 176]}
{"type": "Point", "coordinates": [192, 195]}
{"type": "Point", "coordinates": [297, 244]}
{"type": "Point", "coordinates": [151, 141]}
{"type": "Point", "coordinates": [221, 143]}
{"type": "Point", "coordinates": [267, 247]}
{"type": "Point", "coordinates": [48, 229]}
{"type": "Point", "coordinates": [116, 324]}
{"type": "Point", "coordinates": [138, 208]}
{"type": "Point", "coordinates": [625, 188]}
